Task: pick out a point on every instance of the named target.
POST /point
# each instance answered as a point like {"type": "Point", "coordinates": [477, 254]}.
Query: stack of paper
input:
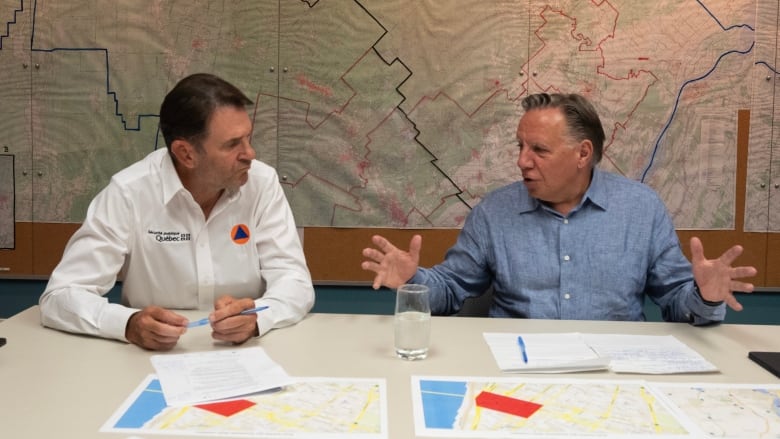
{"type": "Point", "coordinates": [545, 353]}
{"type": "Point", "coordinates": [573, 352]}
{"type": "Point", "coordinates": [206, 376]}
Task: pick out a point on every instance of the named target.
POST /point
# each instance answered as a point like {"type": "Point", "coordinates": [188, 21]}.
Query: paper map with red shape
{"type": "Point", "coordinates": [312, 407]}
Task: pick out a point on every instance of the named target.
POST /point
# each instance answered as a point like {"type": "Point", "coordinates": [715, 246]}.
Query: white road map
{"type": "Point", "coordinates": [312, 407]}
{"type": "Point", "coordinates": [729, 410]}
{"type": "Point", "coordinates": [567, 408]}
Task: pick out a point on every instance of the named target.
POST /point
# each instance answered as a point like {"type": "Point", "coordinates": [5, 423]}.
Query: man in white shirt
{"type": "Point", "coordinates": [198, 225]}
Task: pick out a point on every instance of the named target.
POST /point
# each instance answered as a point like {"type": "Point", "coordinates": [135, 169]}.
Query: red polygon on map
{"type": "Point", "coordinates": [506, 404]}
{"type": "Point", "coordinates": [227, 408]}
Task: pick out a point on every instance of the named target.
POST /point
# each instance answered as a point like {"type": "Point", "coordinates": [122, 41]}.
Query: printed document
{"type": "Point", "coordinates": [648, 354]}
{"type": "Point", "coordinates": [206, 376]}
{"type": "Point", "coordinates": [573, 352]}
{"type": "Point", "coordinates": [545, 353]}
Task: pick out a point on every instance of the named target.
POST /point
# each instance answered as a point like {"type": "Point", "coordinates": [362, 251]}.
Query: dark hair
{"type": "Point", "coordinates": [187, 108]}
{"type": "Point", "coordinates": [582, 121]}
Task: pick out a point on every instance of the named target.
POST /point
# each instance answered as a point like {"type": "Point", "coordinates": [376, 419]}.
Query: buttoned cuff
{"type": "Point", "coordinates": [701, 312]}
{"type": "Point", "coordinates": [265, 322]}
{"type": "Point", "coordinates": [113, 321]}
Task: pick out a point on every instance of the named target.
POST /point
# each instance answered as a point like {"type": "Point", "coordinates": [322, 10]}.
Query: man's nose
{"type": "Point", "coordinates": [524, 159]}
{"type": "Point", "coordinates": [249, 152]}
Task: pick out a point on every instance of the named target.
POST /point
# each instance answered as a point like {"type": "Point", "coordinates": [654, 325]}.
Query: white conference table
{"type": "Point", "coordinates": [59, 385]}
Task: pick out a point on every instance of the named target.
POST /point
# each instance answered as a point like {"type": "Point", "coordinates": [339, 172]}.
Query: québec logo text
{"type": "Point", "coordinates": [170, 236]}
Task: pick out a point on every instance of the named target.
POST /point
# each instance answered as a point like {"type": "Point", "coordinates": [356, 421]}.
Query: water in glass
{"type": "Point", "coordinates": [412, 322]}
{"type": "Point", "coordinates": [412, 334]}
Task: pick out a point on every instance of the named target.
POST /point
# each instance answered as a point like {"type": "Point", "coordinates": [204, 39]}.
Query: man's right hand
{"type": "Point", "coordinates": [155, 328]}
{"type": "Point", "coordinates": [393, 266]}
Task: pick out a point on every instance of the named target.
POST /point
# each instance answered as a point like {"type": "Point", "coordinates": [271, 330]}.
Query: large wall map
{"type": "Point", "coordinates": [393, 113]}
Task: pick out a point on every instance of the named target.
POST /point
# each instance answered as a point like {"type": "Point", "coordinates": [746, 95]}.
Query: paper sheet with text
{"type": "Point", "coordinates": [573, 352]}
{"type": "Point", "coordinates": [206, 376]}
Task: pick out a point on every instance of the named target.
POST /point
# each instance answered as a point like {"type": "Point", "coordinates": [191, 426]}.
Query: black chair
{"type": "Point", "coordinates": [477, 306]}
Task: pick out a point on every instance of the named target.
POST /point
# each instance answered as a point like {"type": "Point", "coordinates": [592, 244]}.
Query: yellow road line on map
{"type": "Point", "coordinates": [650, 400]}
{"type": "Point", "coordinates": [615, 394]}
{"type": "Point", "coordinates": [293, 423]}
{"type": "Point", "coordinates": [289, 423]}
{"type": "Point", "coordinates": [373, 395]}
{"type": "Point", "coordinates": [521, 422]}
{"type": "Point", "coordinates": [173, 417]}
{"type": "Point", "coordinates": [608, 411]}
{"type": "Point", "coordinates": [280, 416]}
{"type": "Point", "coordinates": [478, 410]}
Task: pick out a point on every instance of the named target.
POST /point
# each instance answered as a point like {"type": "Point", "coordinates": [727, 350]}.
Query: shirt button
{"type": "Point", "coordinates": [565, 221]}
{"type": "Point", "coordinates": [566, 258]}
{"type": "Point", "coordinates": [567, 296]}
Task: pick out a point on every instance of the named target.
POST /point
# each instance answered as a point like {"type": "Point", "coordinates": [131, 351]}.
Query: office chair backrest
{"type": "Point", "coordinates": [477, 306]}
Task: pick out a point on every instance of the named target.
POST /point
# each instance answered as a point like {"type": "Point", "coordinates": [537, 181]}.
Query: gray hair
{"type": "Point", "coordinates": [582, 121]}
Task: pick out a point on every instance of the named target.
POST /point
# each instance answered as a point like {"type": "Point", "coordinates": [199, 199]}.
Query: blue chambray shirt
{"type": "Point", "coordinates": [596, 263]}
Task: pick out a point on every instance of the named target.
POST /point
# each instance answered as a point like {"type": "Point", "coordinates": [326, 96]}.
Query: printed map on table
{"type": "Point", "coordinates": [312, 407]}
{"type": "Point", "coordinates": [728, 410]}
{"type": "Point", "coordinates": [472, 407]}
{"type": "Point", "coordinates": [565, 408]}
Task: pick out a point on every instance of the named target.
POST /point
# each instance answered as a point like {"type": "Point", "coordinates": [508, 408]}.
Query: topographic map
{"type": "Point", "coordinates": [312, 407]}
{"type": "Point", "coordinates": [393, 113]}
{"type": "Point", "coordinates": [566, 408]}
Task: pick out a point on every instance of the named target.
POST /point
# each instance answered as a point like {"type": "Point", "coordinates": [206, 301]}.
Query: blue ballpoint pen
{"type": "Point", "coordinates": [205, 321]}
{"type": "Point", "coordinates": [521, 343]}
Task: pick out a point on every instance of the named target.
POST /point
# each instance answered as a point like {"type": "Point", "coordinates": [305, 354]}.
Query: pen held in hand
{"type": "Point", "coordinates": [521, 343]}
{"type": "Point", "coordinates": [205, 321]}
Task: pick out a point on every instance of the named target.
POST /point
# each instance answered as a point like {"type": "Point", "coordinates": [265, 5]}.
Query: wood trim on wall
{"type": "Point", "coordinates": [334, 254]}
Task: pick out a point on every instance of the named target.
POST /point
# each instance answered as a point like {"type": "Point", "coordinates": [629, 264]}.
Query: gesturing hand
{"type": "Point", "coordinates": [717, 278]}
{"type": "Point", "coordinates": [393, 266]}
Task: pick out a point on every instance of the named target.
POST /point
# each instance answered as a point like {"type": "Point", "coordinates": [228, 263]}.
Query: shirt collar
{"type": "Point", "coordinates": [528, 204]}
{"type": "Point", "coordinates": [596, 193]}
{"type": "Point", "coordinates": [171, 183]}
{"type": "Point", "coordinates": [169, 178]}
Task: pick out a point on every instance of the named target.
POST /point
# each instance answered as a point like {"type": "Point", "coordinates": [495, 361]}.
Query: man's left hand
{"type": "Point", "coordinates": [228, 325]}
{"type": "Point", "coordinates": [716, 278]}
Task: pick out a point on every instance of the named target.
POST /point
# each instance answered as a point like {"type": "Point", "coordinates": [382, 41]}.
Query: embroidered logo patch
{"type": "Point", "coordinates": [240, 234]}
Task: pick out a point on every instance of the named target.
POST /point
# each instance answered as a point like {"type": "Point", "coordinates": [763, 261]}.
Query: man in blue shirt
{"type": "Point", "coordinates": [569, 241]}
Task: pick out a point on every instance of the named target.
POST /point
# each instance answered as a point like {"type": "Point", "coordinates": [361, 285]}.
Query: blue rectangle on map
{"type": "Point", "coordinates": [148, 404]}
{"type": "Point", "coordinates": [441, 401]}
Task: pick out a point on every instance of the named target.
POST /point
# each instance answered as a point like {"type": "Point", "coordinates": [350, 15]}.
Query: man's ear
{"type": "Point", "coordinates": [586, 154]}
{"type": "Point", "coordinates": [184, 152]}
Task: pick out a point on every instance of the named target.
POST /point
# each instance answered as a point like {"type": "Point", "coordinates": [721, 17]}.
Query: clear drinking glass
{"type": "Point", "coordinates": [412, 322]}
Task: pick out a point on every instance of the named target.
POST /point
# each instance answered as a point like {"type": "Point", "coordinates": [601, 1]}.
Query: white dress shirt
{"type": "Point", "coordinates": [146, 230]}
